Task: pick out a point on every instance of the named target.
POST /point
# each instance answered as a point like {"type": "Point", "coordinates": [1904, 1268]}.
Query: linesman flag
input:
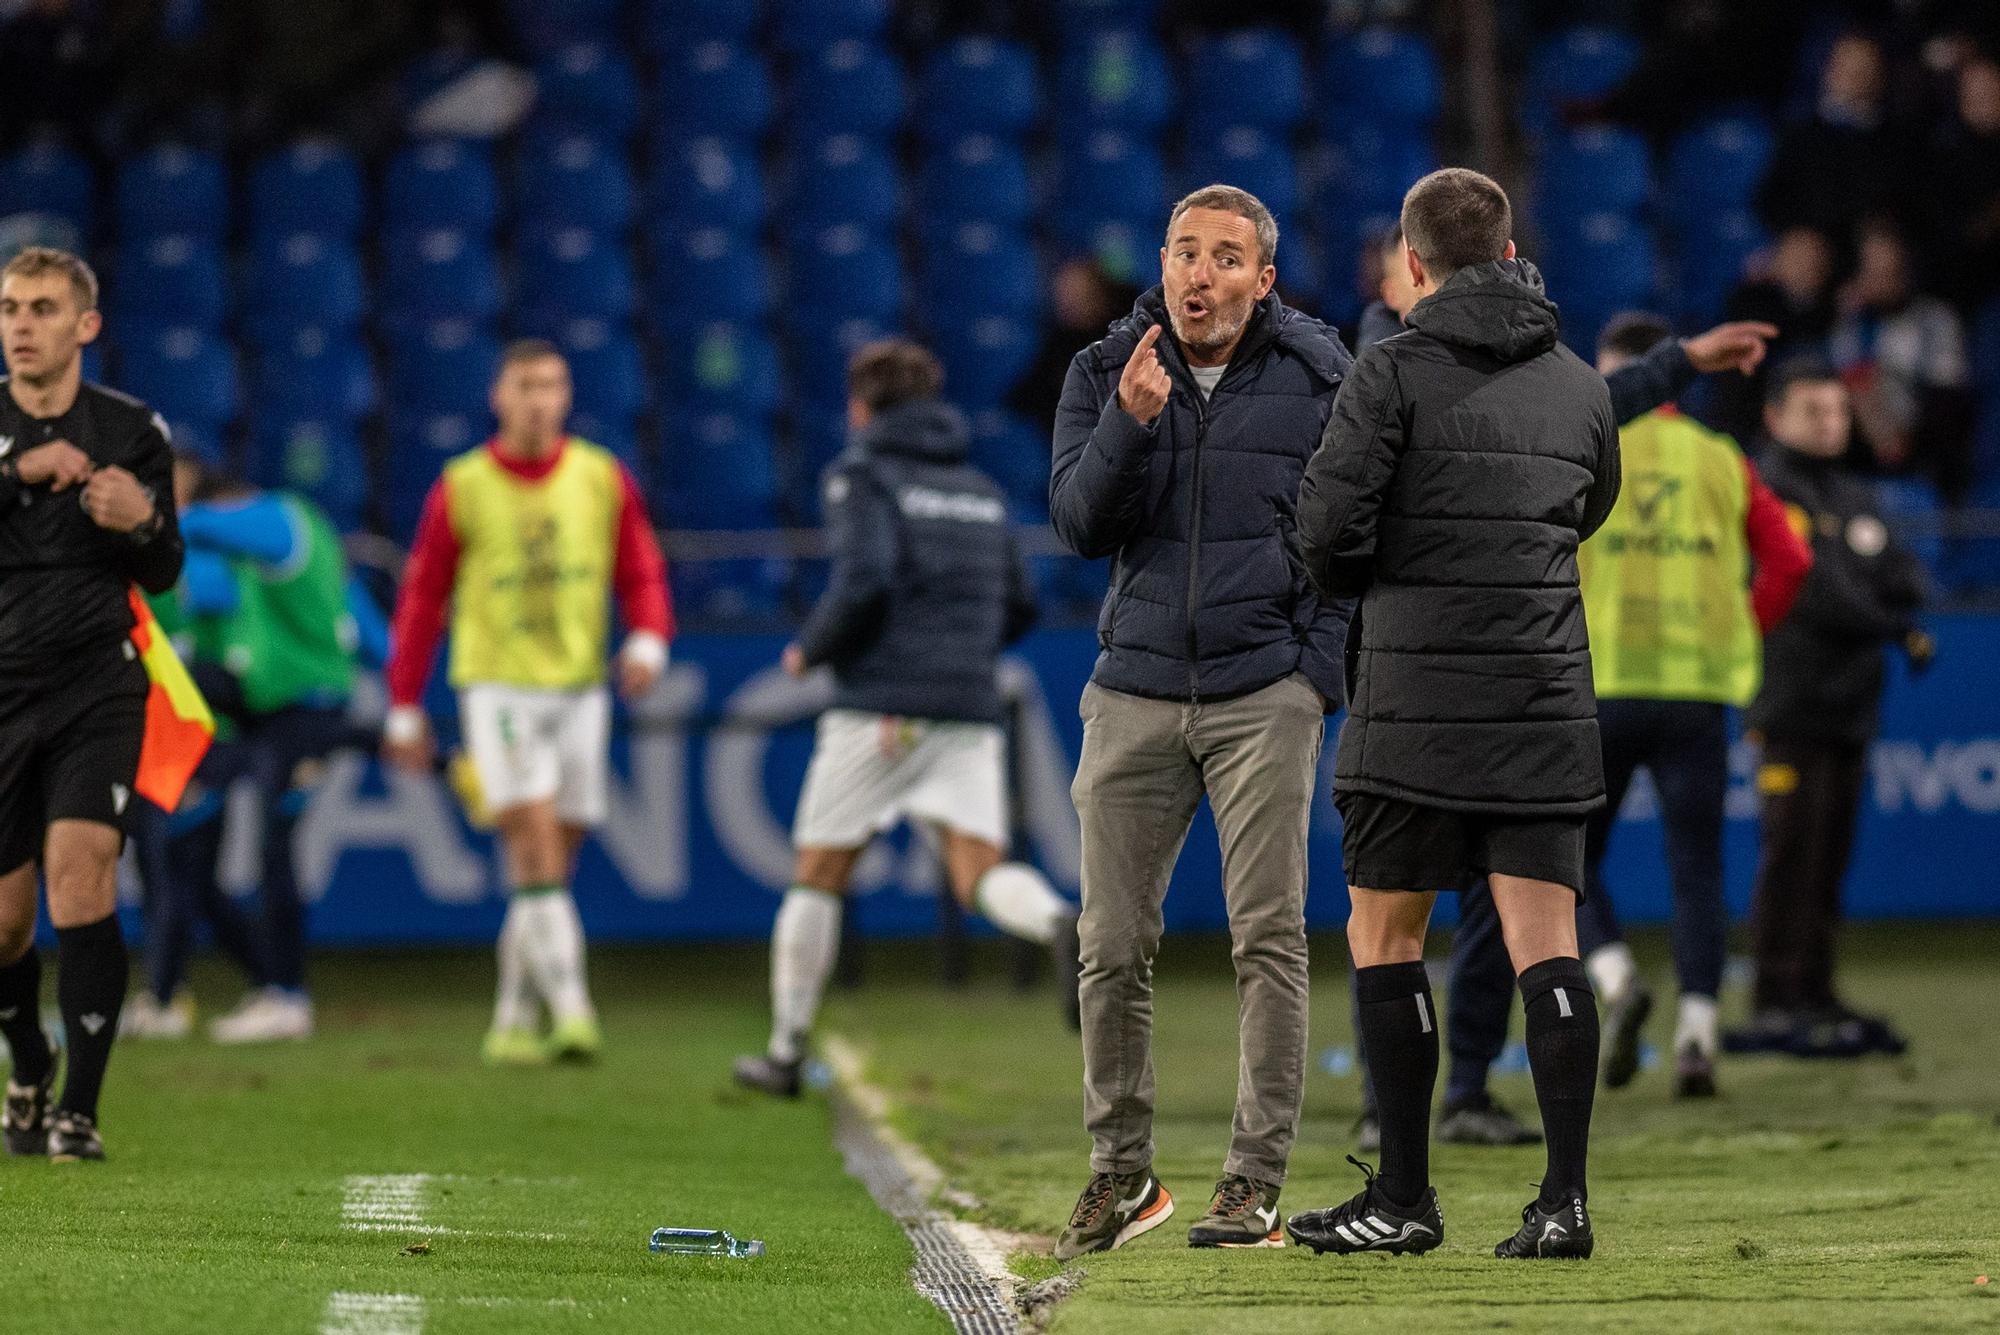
{"type": "Point", "coordinates": [179, 725]}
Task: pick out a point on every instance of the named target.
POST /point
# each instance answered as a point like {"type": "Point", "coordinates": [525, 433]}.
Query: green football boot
{"type": "Point", "coordinates": [1113, 1210]}
{"type": "Point", "coordinates": [1242, 1214]}
{"type": "Point", "coordinates": [514, 1047]}
{"type": "Point", "coordinates": [577, 1039]}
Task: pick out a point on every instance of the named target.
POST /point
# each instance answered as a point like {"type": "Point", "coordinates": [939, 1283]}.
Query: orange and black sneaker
{"type": "Point", "coordinates": [1114, 1209]}
{"type": "Point", "coordinates": [1244, 1213]}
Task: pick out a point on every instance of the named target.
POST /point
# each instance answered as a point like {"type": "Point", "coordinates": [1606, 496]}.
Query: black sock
{"type": "Point", "coordinates": [1562, 1053]}
{"type": "Point", "coordinates": [21, 1018]}
{"type": "Point", "coordinates": [90, 988]}
{"type": "Point", "coordinates": [1398, 1025]}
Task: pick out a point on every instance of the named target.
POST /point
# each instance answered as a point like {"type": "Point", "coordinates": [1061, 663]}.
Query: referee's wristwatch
{"type": "Point", "coordinates": [149, 530]}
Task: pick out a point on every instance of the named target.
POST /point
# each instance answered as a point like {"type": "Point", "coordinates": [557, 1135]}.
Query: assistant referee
{"type": "Point", "coordinates": [86, 512]}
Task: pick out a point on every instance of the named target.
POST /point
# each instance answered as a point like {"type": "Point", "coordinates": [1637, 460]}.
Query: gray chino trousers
{"type": "Point", "coordinates": [1145, 765]}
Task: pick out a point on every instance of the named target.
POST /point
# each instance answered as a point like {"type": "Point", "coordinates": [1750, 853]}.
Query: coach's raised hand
{"type": "Point", "coordinates": [1144, 386]}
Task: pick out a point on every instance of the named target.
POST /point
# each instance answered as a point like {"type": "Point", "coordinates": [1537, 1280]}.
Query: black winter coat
{"type": "Point", "coordinates": [1823, 664]}
{"type": "Point", "coordinates": [1209, 598]}
{"type": "Point", "coordinates": [1466, 459]}
{"type": "Point", "coordinates": [928, 584]}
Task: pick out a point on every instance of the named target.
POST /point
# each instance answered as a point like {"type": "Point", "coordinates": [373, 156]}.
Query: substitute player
{"type": "Point", "coordinates": [526, 538]}
{"type": "Point", "coordinates": [927, 588]}
{"type": "Point", "coordinates": [1465, 461]}
{"type": "Point", "coordinates": [86, 512]}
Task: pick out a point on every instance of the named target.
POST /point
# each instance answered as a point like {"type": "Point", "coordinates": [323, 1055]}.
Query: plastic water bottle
{"type": "Point", "coordinates": [702, 1242]}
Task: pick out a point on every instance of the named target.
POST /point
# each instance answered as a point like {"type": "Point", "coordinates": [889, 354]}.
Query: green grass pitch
{"type": "Point", "coordinates": [1828, 1197]}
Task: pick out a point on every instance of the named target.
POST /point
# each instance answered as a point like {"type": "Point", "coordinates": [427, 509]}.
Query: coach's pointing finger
{"type": "Point", "coordinates": [1144, 386]}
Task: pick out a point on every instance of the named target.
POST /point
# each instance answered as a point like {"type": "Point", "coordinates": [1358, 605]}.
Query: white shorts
{"type": "Point", "coordinates": [869, 772]}
{"type": "Point", "coordinates": [530, 745]}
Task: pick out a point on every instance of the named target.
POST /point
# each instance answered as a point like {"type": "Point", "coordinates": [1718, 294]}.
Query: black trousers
{"type": "Point", "coordinates": [1812, 802]}
{"type": "Point", "coordinates": [1684, 744]}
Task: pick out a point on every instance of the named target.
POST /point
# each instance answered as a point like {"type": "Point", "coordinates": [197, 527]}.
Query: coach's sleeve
{"type": "Point", "coordinates": [1644, 383]}
{"type": "Point", "coordinates": [861, 527]}
{"type": "Point", "coordinates": [1340, 499]}
{"type": "Point", "coordinates": [1097, 476]}
{"type": "Point", "coordinates": [155, 551]}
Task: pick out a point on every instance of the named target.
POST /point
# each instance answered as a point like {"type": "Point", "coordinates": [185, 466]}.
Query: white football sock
{"type": "Point", "coordinates": [1020, 901]}
{"type": "Point", "coordinates": [513, 1002]}
{"type": "Point", "coordinates": [1697, 1024]}
{"type": "Point", "coordinates": [552, 938]}
{"type": "Point", "coordinates": [804, 940]}
{"type": "Point", "coordinates": [1612, 971]}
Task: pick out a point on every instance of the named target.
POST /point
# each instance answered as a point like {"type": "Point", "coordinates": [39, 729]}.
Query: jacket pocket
{"type": "Point", "coordinates": [1107, 616]}
{"type": "Point", "coordinates": [1301, 593]}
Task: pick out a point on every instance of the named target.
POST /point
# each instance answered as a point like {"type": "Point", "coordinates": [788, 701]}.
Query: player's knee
{"type": "Point", "coordinates": [825, 869]}
{"type": "Point", "coordinates": [17, 914]}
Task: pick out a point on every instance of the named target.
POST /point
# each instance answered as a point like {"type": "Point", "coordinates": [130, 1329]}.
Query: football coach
{"type": "Point", "coordinates": [1180, 443]}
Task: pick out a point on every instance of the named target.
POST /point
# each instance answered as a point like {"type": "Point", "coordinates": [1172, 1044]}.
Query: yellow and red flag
{"type": "Point", "coordinates": [179, 725]}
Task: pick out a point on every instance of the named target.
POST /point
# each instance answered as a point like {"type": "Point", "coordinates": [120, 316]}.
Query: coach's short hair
{"type": "Point", "coordinates": [1633, 334]}
{"type": "Point", "coordinates": [38, 261]}
{"type": "Point", "coordinates": [892, 371]}
{"type": "Point", "coordinates": [1457, 217]}
{"type": "Point", "coordinates": [1804, 369]}
{"type": "Point", "coordinates": [527, 350]}
{"type": "Point", "coordinates": [1230, 199]}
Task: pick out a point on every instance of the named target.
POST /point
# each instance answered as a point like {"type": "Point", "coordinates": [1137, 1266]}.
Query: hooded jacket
{"type": "Point", "coordinates": [928, 584]}
{"type": "Point", "coordinates": [1209, 598]}
{"type": "Point", "coordinates": [1467, 458]}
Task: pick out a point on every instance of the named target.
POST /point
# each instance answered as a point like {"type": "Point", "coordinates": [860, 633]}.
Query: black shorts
{"type": "Point", "coordinates": [69, 750]}
{"type": "Point", "coordinates": [1390, 844]}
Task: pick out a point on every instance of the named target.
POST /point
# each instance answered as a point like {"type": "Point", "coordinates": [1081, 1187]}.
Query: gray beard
{"type": "Point", "coordinates": [1221, 336]}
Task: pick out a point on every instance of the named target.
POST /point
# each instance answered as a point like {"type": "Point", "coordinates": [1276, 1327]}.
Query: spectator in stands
{"type": "Point", "coordinates": [1816, 714]}
{"type": "Point", "coordinates": [1084, 299]}
{"type": "Point", "coordinates": [1902, 356]}
{"type": "Point", "coordinates": [1789, 285]}
{"type": "Point", "coordinates": [1964, 176]}
{"type": "Point", "coordinates": [1845, 163]}
{"type": "Point", "coordinates": [1394, 292]}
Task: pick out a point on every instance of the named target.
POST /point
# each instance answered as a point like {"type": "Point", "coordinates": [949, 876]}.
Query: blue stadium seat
{"type": "Point", "coordinates": [1712, 257]}
{"type": "Point", "coordinates": [1110, 175]}
{"type": "Point", "coordinates": [717, 470]}
{"type": "Point", "coordinates": [548, 26]}
{"type": "Point", "coordinates": [316, 374]}
{"type": "Point", "coordinates": [671, 26]}
{"type": "Point", "coordinates": [839, 180]}
{"type": "Point", "coordinates": [1986, 349]}
{"type": "Point", "coordinates": [320, 458]}
{"type": "Point", "coordinates": [724, 368]}
{"type": "Point", "coordinates": [574, 180]}
{"type": "Point", "coordinates": [186, 375]}
{"type": "Point", "coordinates": [705, 182]}
{"type": "Point", "coordinates": [47, 177]}
{"type": "Point", "coordinates": [708, 274]}
{"type": "Point", "coordinates": [420, 444]}
{"type": "Point", "coordinates": [172, 190]}
{"type": "Point", "coordinates": [607, 370]}
{"type": "Point", "coordinates": [1597, 169]}
{"type": "Point", "coordinates": [977, 178]}
{"type": "Point", "coordinates": [1371, 165]}
{"type": "Point", "coordinates": [170, 280]}
{"type": "Point", "coordinates": [850, 87]}
{"type": "Point", "coordinates": [1091, 16]}
{"type": "Point", "coordinates": [1255, 76]}
{"type": "Point", "coordinates": [300, 280]}
{"type": "Point", "coordinates": [807, 25]}
{"type": "Point", "coordinates": [590, 89]}
{"type": "Point", "coordinates": [1381, 73]}
{"type": "Point", "coordinates": [817, 352]}
{"type": "Point", "coordinates": [445, 368]}
{"type": "Point", "coordinates": [1012, 451]}
{"type": "Point", "coordinates": [573, 274]}
{"type": "Point", "coordinates": [1575, 65]}
{"type": "Point", "coordinates": [1119, 80]}
{"type": "Point", "coordinates": [1718, 163]}
{"type": "Point", "coordinates": [1602, 263]}
{"type": "Point", "coordinates": [979, 269]}
{"type": "Point", "coordinates": [437, 274]}
{"type": "Point", "coordinates": [978, 85]}
{"type": "Point", "coordinates": [614, 432]}
{"type": "Point", "coordinates": [844, 272]}
{"type": "Point", "coordinates": [313, 186]}
{"type": "Point", "coordinates": [984, 357]}
{"type": "Point", "coordinates": [442, 183]}
{"type": "Point", "coordinates": [715, 88]}
{"type": "Point", "coordinates": [1261, 163]}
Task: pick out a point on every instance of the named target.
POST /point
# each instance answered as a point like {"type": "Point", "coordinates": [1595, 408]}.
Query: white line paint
{"type": "Point", "coordinates": [373, 1314]}
{"type": "Point", "coordinates": [394, 1200]}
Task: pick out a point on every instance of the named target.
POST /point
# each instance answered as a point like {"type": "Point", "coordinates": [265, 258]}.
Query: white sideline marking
{"type": "Point", "coordinates": [398, 1202]}
{"type": "Point", "coordinates": [373, 1314]}
{"type": "Point", "coordinates": [989, 1248]}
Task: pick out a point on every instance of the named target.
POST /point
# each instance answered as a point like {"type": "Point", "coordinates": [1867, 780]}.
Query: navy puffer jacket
{"type": "Point", "coordinates": [1209, 597]}
{"type": "Point", "coordinates": [928, 584]}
